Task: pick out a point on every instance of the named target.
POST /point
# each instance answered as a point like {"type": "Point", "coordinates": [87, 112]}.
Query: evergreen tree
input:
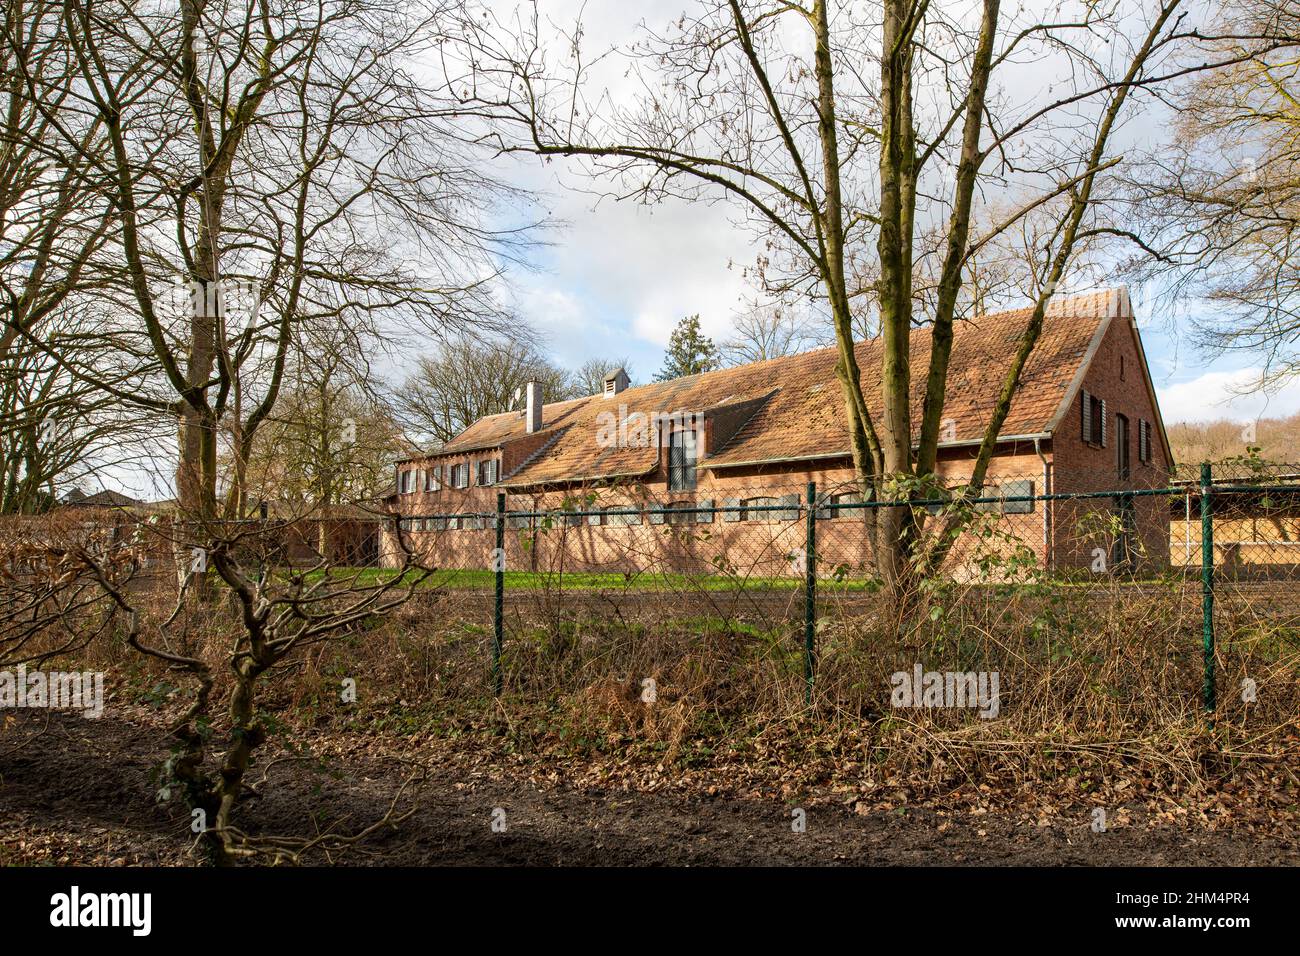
{"type": "Point", "coordinates": [689, 351]}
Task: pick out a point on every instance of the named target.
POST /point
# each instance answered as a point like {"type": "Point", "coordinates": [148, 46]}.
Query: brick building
{"type": "Point", "coordinates": [750, 437]}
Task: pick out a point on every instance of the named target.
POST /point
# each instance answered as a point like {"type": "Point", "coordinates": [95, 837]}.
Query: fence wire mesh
{"type": "Point", "coordinates": [1093, 602]}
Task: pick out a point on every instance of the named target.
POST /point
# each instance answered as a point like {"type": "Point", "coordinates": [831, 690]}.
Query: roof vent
{"type": "Point", "coordinates": [615, 382]}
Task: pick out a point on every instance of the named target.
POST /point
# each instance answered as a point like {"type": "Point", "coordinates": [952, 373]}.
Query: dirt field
{"type": "Point", "coordinates": [80, 791]}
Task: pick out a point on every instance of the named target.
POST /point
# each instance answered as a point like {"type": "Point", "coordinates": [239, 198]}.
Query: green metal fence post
{"type": "Point", "coordinates": [810, 596]}
{"type": "Point", "coordinates": [1207, 587]}
{"type": "Point", "coordinates": [499, 608]}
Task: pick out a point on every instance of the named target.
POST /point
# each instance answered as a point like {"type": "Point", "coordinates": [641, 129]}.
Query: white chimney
{"type": "Point", "coordinates": [533, 408]}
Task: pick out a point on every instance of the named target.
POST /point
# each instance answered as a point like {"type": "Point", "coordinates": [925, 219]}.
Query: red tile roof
{"type": "Point", "coordinates": [803, 416]}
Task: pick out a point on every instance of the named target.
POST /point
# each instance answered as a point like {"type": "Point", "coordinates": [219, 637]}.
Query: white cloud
{"type": "Point", "coordinates": [1232, 395]}
{"type": "Point", "coordinates": [629, 272]}
{"type": "Point", "coordinates": [620, 275]}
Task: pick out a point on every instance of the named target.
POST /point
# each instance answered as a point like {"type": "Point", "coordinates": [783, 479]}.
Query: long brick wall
{"type": "Point", "coordinates": [1061, 535]}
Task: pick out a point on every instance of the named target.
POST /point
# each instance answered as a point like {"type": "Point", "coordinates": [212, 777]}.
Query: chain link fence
{"type": "Point", "coordinates": [1097, 601]}
{"type": "Point", "coordinates": [792, 573]}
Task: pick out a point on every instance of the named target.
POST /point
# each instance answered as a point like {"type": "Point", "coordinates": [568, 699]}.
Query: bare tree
{"type": "Point", "coordinates": [280, 620]}
{"type": "Point", "coordinates": [1275, 440]}
{"type": "Point", "coordinates": [267, 165]}
{"type": "Point", "coordinates": [857, 138]}
{"type": "Point", "coordinates": [469, 377]}
{"type": "Point", "coordinates": [328, 441]}
{"type": "Point", "coordinates": [57, 433]}
{"type": "Point", "coordinates": [1226, 214]}
{"type": "Point", "coordinates": [257, 171]}
{"type": "Point", "coordinates": [771, 331]}
{"type": "Point", "coordinates": [55, 259]}
{"type": "Point", "coordinates": [589, 377]}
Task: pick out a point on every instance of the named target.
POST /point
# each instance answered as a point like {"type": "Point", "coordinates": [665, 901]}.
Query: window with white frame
{"type": "Point", "coordinates": [406, 481]}
{"type": "Point", "coordinates": [488, 471]}
{"type": "Point", "coordinates": [433, 478]}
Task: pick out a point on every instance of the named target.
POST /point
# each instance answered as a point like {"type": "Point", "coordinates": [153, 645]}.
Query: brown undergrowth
{"type": "Point", "coordinates": [1100, 694]}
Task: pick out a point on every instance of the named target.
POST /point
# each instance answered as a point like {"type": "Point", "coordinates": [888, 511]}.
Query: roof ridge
{"type": "Point", "coordinates": [1053, 304]}
{"type": "Point", "coordinates": [809, 418]}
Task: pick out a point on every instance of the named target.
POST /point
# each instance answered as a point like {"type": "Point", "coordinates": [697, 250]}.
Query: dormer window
{"type": "Point", "coordinates": [681, 460]}
{"type": "Point", "coordinates": [614, 383]}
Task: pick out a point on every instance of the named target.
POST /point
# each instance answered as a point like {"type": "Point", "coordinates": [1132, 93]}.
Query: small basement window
{"type": "Point", "coordinates": [755, 509]}
{"type": "Point", "coordinates": [844, 498]}
{"type": "Point", "coordinates": [677, 513]}
{"type": "Point", "coordinates": [1018, 488]}
{"type": "Point", "coordinates": [622, 516]}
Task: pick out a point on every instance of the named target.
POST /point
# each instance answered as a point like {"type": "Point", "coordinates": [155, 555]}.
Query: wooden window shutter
{"type": "Point", "coordinates": [1086, 406]}
{"type": "Point", "coordinates": [1103, 423]}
